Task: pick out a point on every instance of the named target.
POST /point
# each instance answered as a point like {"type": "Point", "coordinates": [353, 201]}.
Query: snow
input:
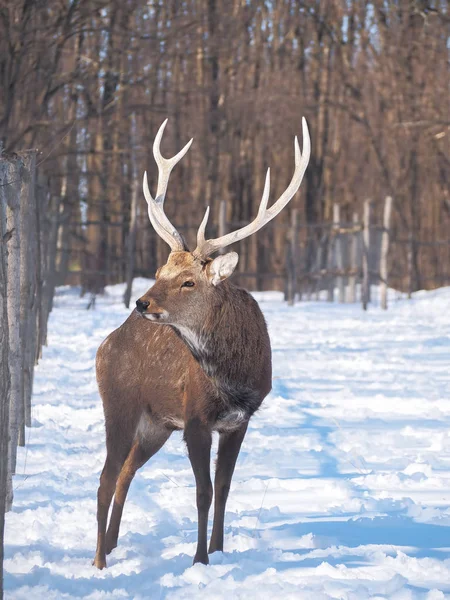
{"type": "Point", "coordinates": [342, 488]}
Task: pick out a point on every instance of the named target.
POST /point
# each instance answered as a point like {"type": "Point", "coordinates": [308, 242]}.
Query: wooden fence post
{"type": "Point", "coordinates": [330, 267]}
{"type": "Point", "coordinates": [288, 280]}
{"type": "Point", "coordinates": [366, 252]}
{"type": "Point", "coordinates": [353, 260]}
{"type": "Point", "coordinates": [24, 257]}
{"type": "Point", "coordinates": [294, 252]}
{"type": "Point", "coordinates": [339, 253]}
{"type": "Point", "coordinates": [410, 263]}
{"type": "Point", "coordinates": [28, 285]}
{"type": "Point", "coordinates": [291, 260]}
{"type": "Point", "coordinates": [318, 280]}
{"type": "Point", "coordinates": [44, 283]}
{"type": "Point", "coordinates": [131, 245]}
{"type": "Point", "coordinates": [222, 221]}
{"type": "Point", "coordinates": [12, 194]}
{"type": "Point", "coordinates": [4, 371]}
{"type": "Point", "coordinates": [384, 251]}
{"type": "Point", "coordinates": [51, 248]}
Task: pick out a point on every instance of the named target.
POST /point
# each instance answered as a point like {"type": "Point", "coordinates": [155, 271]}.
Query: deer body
{"type": "Point", "coordinates": [194, 355]}
{"type": "Point", "coordinates": [226, 360]}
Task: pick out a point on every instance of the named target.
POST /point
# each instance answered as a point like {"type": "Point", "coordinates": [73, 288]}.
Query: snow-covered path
{"type": "Point", "coordinates": [342, 488]}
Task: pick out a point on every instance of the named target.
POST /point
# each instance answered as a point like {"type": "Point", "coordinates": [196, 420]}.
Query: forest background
{"type": "Point", "coordinates": [88, 82]}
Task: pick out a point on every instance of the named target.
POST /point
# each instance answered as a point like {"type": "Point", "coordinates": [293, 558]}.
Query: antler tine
{"type": "Point", "coordinates": [170, 236]}
{"type": "Point", "coordinates": [165, 165]}
{"type": "Point", "coordinates": [158, 218]}
{"type": "Point", "coordinates": [207, 247]}
{"type": "Point", "coordinates": [201, 230]}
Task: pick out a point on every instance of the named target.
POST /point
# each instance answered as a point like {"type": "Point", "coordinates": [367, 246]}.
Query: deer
{"type": "Point", "coordinates": [194, 355]}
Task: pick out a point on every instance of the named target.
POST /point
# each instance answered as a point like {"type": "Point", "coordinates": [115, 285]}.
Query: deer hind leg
{"type": "Point", "coordinates": [119, 440]}
{"type": "Point", "coordinates": [198, 439]}
{"type": "Point", "coordinates": [142, 450]}
{"type": "Point", "coordinates": [229, 447]}
{"type": "Point", "coordinates": [105, 493]}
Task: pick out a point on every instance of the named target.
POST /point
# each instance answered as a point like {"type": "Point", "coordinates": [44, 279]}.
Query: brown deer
{"type": "Point", "coordinates": [194, 355]}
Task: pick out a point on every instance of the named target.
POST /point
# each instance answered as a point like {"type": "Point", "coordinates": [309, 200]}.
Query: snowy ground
{"type": "Point", "coordinates": [342, 488]}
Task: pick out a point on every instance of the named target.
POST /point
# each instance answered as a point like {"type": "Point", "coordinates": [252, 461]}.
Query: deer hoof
{"type": "Point", "coordinates": [109, 549]}
{"type": "Point", "coordinates": [110, 545]}
{"type": "Point", "coordinates": [201, 558]}
{"type": "Point", "coordinates": [100, 563]}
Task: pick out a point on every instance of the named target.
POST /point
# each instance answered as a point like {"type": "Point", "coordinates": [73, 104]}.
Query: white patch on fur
{"type": "Point", "coordinates": [191, 338]}
{"type": "Point", "coordinates": [147, 430]}
{"type": "Point", "coordinates": [174, 422]}
{"type": "Point", "coordinates": [150, 317]}
{"type": "Point", "coordinates": [231, 421]}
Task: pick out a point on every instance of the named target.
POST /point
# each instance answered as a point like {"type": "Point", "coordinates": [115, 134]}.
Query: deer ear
{"type": "Point", "coordinates": [222, 267]}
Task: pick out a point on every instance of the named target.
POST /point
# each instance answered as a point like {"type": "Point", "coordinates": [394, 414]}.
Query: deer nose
{"type": "Point", "coordinates": [142, 305]}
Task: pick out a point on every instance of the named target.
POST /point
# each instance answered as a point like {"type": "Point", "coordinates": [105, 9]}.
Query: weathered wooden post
{"type": "Point", "coordinates": [353, 259]}
{"type": "Point", "coordinates": [339, 253]}
{"type": "Point", "coordinates": [28, 284]}
{"type": "Point", "coordinates": [23, 263]}
{"type": "Point", "coordinates": [330, 266]}
{"type": "Point", "coordinates": [318, 281]}
{"type": "Point", "coordinates": [12, 195]}
{"type": "Point", "coordinates": [4, 371]}
{"type": "Point", "coordinates": [294, 253]}
{"type": "Point", "coordinates": [384, 251]}
{"type": "Point", "coordinates": [39, 273]}
{"type": "Point", "coordinates": [222, 221]}
{"type": "Point", "coordinates": [366, 253]}
{"type": "Point", "coordinates": [288, 291]}
{"type": "Point", "coordinates": [291, 263]}
{"type": "Point", "coordinates": [309, 264]}
{"type": "Point", "coordinates": [131, 243]}
{"type": "Point", "coordinates": [410, 264]}
{"type": "Point", "coordinates": [43, 220]}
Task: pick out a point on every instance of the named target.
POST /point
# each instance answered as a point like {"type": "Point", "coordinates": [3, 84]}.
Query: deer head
{"type": "Point", "coordinates": [190, 282]}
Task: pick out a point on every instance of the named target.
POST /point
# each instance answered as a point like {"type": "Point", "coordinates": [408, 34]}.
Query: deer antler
{"type": "Point", "coordinates": [160, 222]}
{"type": "Point", "coordinates": [207, 247]}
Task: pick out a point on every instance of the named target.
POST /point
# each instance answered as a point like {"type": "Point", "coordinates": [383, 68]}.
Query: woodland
{"type": "Point", "coordinates": [84, 87]}
{"type": "Point", "coordinates": [88, 82]}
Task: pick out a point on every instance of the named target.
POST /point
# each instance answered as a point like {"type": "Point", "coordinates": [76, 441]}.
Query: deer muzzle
{"type": "Point", "coordinates": [150, 311]}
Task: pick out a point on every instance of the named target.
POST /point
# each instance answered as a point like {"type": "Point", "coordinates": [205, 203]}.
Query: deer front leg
{"type": "Point", "coordinates": [229, 447]}
{"type": "Point", "coordinates": [198, 440]}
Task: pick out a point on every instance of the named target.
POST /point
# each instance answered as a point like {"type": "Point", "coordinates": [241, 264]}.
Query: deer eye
{"type": "Point", "coordinates": [188, 284]}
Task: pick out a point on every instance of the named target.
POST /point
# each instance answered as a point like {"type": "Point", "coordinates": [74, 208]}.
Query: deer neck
{"type": "Point", "coordinates": [222, 345]}
{"type": "Point", "coordinates": [207, 341]}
